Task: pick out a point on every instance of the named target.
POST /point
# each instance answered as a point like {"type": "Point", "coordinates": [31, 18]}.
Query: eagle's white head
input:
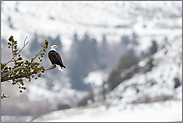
{"type": "Point", "coordinates": [53, 47]}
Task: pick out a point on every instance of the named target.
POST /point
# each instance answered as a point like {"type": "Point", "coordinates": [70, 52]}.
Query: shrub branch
{"type": "Point", "coordinates": [22, 68]}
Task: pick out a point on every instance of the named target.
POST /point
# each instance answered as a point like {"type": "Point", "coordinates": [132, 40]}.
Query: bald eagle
{"type": "Point", "coordinates": [55, 58]}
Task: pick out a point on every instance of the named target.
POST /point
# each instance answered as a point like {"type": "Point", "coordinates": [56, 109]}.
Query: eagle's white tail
{"type": "Point", "coordinates": [60, 68]}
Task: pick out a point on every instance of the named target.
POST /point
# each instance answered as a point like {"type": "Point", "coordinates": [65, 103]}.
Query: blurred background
{"type": "Point", "coordinates": [123, 59]}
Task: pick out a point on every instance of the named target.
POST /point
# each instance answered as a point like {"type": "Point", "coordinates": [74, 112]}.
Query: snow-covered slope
{"type": "Point", "coordinates": [157, 84]}
{"type": "Point", "coordinates": [157, 112]}
{"type": "Point", "coordinates": [157, 99]}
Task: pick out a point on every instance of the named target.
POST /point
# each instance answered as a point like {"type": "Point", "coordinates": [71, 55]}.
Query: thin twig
{"type": "Point", "coordinates": [18, 84]}
{"type": "Point", "coordinates": [51, 67]}
{"type": "Point", "coordinates": [12, 52]}
{"type": "Point", "coordinates": [25, 43]}
{"type": "Point", "coordinates": [36, 55]}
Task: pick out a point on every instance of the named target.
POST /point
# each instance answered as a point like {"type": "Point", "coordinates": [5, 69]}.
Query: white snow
{"type": "Point", "coordinates": [38, 91]}
{"type": "Point", "coordinates": [168, 111]}
{"type": "Point", "coordinates": [96, 77]}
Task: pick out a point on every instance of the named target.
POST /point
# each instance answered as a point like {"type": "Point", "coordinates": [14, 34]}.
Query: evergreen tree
{"type": "Point", "coordinates": [154, 47]}
{"type": "Point", "coordinates": [142, 55]}
{"type": "Point", "coordinates": [104, 41]}
{"type": "Point", "coordinates": [130, 52]}
{"type": "Point", "coordinates": [75, 40]}
{"type": "Point", "coordinates": [135, 38]}
{"type": "Point", "coordinates": [75, 43]}
{"type": "Point", "coordinates": [125, 40]}
{"type": "Point", "coordinates": [104, 53]}
{"type": "Point", "coordinates": [87, 52]}
{"type": "Point", "coordinates": [85, 59]}
{"type": "Point", "coordinates": [77, 73]}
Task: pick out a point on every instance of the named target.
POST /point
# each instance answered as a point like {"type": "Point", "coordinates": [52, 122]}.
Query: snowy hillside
{"type": "Point", "coordinates": [111, 18]}
{"type": "Point", "coordinates": [157, 98]}
{"type": "Point", "coordinates": [157, 84]}
{"type": "Point", "coordinates": [156, 112]}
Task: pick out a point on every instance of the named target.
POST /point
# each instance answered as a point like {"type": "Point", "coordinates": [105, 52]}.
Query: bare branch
{"type": "Point", "coordinates": [18, 84]}
{"type": "Point", "coordinates": [25, 40]}
{"type": "Point", "coordinates": [25, 43]}
{"type": "Point", "coordinates": [36, 55]}
{"type": "Point", "coordinates": [51, 67]}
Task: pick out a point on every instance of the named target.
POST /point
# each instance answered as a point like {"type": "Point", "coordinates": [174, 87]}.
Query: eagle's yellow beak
{"type": "Point", "coordinates": [56, 47]}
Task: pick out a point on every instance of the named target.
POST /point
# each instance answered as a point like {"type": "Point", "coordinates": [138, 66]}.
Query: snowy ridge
{"type": "Point", "coordinates": [157, 82]}
{"type": "Point", "coordinates": [111, 18]}
{"type": "Point", "coordinates": [120, 113]}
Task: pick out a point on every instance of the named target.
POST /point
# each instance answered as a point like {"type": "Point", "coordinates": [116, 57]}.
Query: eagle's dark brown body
{"type": "Point", "coordinates": [55, 58]}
